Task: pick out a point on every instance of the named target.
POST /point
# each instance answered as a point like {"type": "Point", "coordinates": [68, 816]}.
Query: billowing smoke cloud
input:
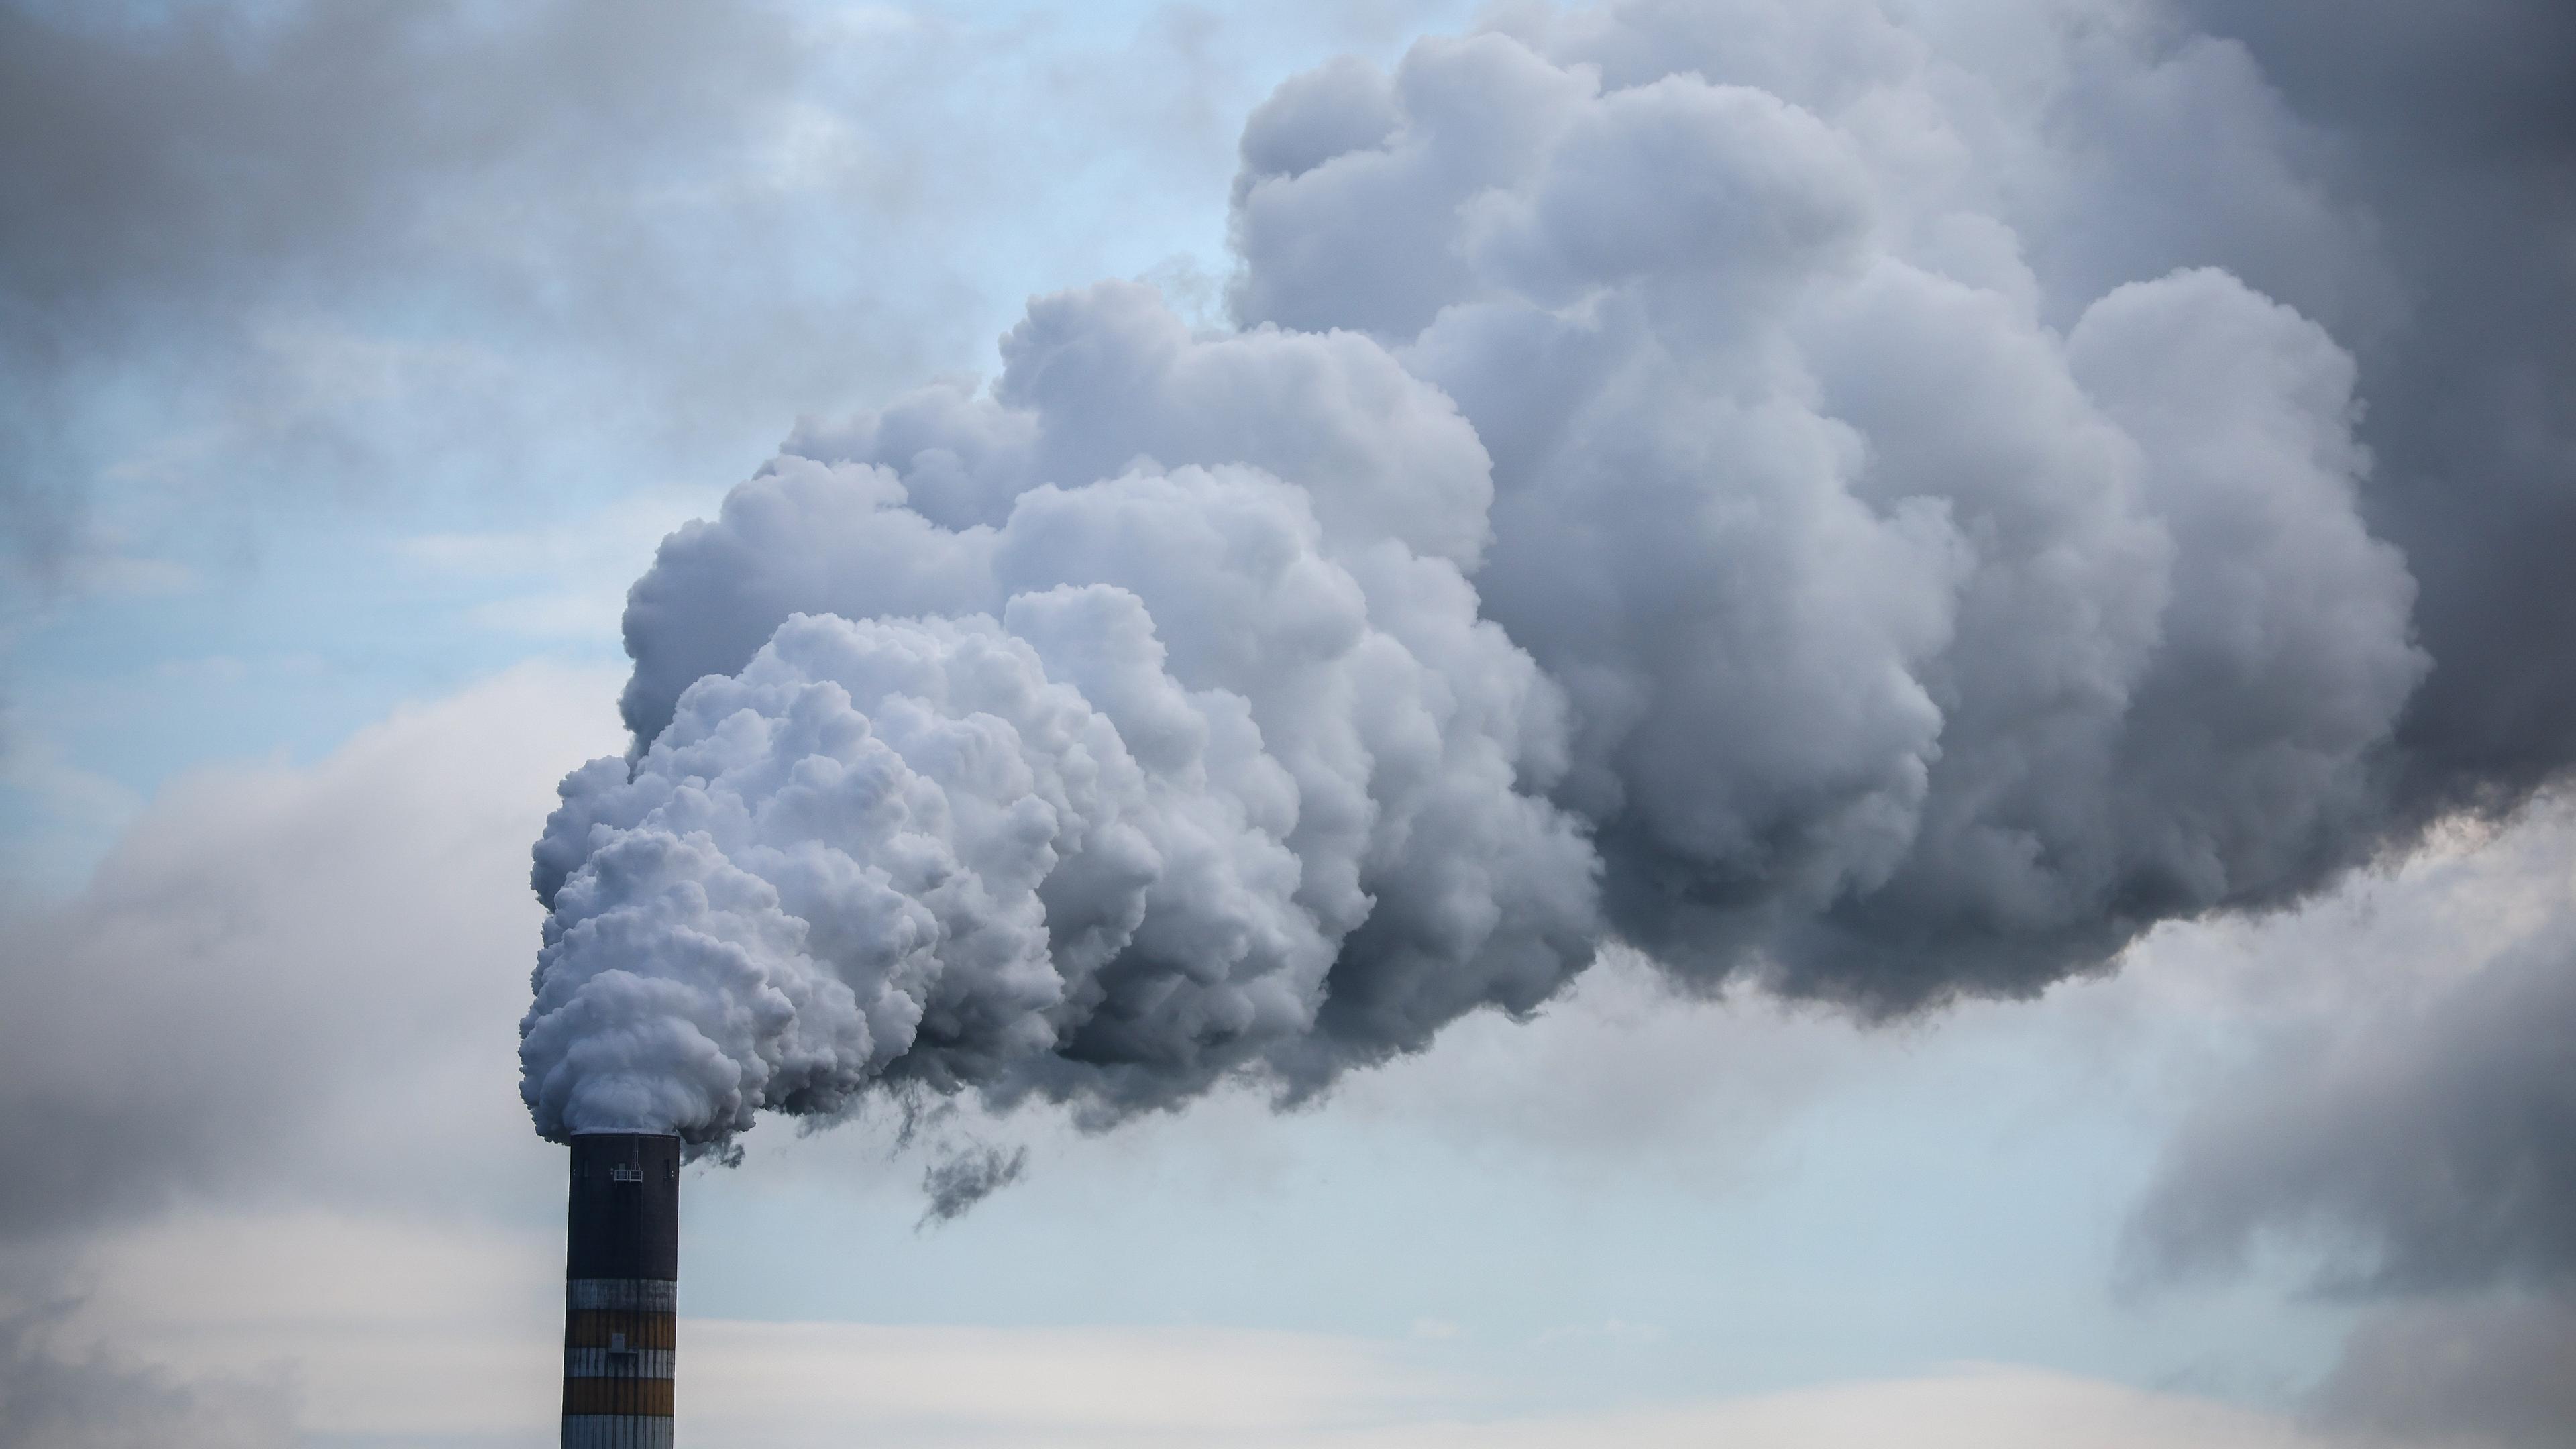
{"type": "Point", "coordinates": [1090, 804]}
{"type": "Point", "coordinates": [1737, 478]}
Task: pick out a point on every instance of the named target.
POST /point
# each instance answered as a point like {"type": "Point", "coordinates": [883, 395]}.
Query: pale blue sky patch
{"type": "Point", "coordinates": [877, 216]}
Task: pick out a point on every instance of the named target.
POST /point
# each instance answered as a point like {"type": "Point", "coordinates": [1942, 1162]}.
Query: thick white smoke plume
{"type": "Point", "coordinates": [1727, 475]}
{"type": "Point", "coordinates": [1090, 803]}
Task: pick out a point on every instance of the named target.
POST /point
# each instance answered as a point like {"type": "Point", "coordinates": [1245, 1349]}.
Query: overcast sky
{"type": "Point", "coordinates": [1760, 722]}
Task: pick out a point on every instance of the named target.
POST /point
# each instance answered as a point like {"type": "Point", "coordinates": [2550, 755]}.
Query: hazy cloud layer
{"type": "Point", "coordinates": [282, 980]}
{"type": "Point", "coordinates": [278, 260]}
{"type": "Point", "coordinates": [52, 1398]}
{"type": "Point", "coordinates": [2427, 1145]}
{"type": "Point", "coordinates": [2407, 1137]}
{"type": "Point", "coordinates": [2495, 1371]}
{"type": "Point", "coordinates": [210, 208]}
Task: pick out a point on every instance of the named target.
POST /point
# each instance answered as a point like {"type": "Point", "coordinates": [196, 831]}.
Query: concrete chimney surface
{"type": "Point", "coordinates": [622, 1235]}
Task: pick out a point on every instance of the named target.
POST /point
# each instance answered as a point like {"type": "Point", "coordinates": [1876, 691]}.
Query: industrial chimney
{"type": "Point", "coordinates": [620, 1297]}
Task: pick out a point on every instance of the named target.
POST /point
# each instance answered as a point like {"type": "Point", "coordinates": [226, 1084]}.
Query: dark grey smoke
{"type": "Point", "coordinates": [2452, 128]}
{"type": "Point", "coordinates": [966, 1177]}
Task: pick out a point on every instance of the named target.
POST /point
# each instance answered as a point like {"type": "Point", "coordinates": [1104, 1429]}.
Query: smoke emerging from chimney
{"type": "Point", "coordinates": [1657, 491]}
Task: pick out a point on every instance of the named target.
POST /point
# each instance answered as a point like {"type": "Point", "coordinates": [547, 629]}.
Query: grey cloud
{"type": "Point", "coordinates": [192, 190]}
{"type": "Point", "coordinates": [375, 258]}
{"type": "Point", "coordinates": [52, 1397]}
{"type": "Point", "coordinates": [285, 981]}
{"type": "Point", "coordinates": [2408, 1137]}
{"type": "Point", "coordinates": [2495, 1373]}
{"type": "Point", "coordinates": [178, 152]}
{"type": "Point", "coordinates": [2428, 1145]}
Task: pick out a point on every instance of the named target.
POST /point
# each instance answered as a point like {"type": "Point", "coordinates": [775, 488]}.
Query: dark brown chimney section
{"type": "Point", "coordinates": [621, 1299]}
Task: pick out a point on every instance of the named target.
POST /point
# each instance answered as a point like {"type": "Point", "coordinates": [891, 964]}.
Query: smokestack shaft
{"type": "Point", "coordinates": [621, 1290]}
